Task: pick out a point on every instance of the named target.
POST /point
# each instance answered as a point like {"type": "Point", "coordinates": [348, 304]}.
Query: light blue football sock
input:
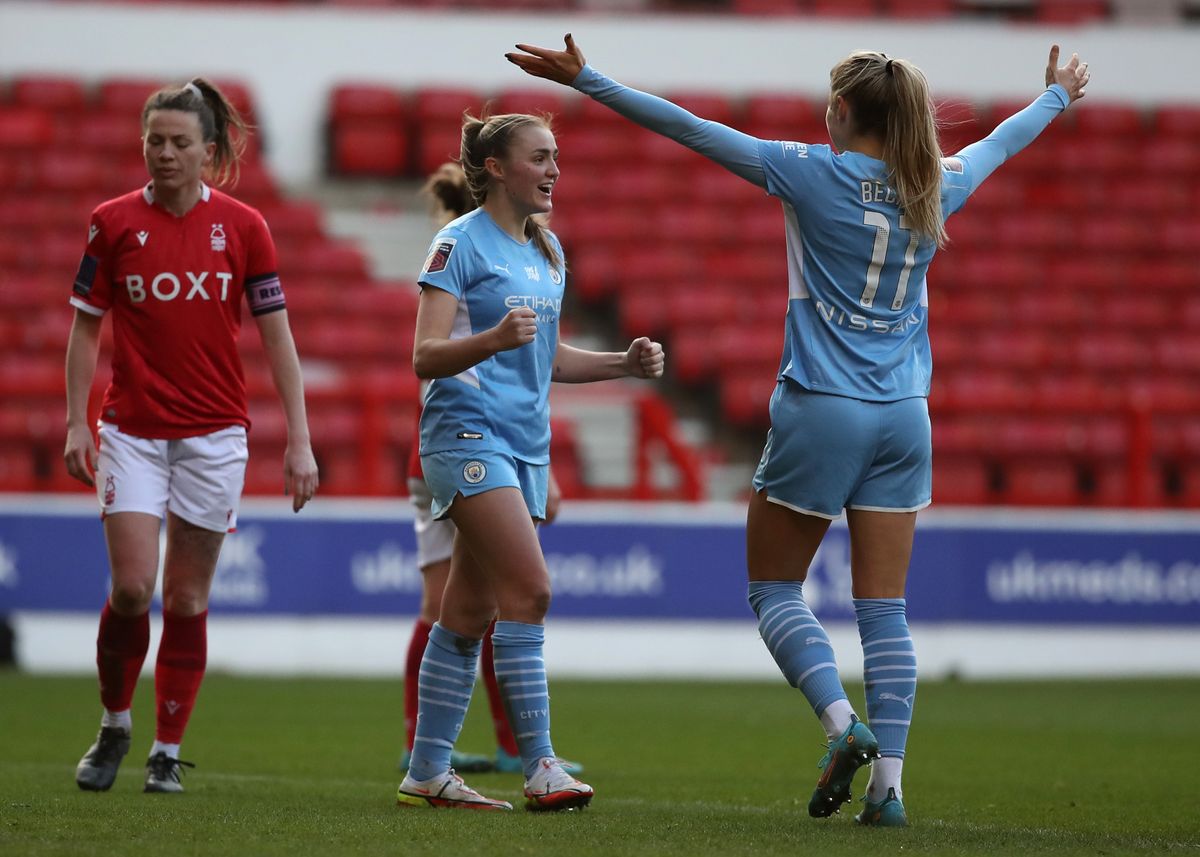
{"type": "Point", "coordinates": [521, 674]}
{"type": "Point", "coordinates": [797, 641]}
{"type": "Point", "coordinates": [889, 671]}
{"type": "Point", "coordinates": [445, 683]}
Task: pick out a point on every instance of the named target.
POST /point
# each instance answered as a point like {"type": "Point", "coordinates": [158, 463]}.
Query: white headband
{"type": "Point", "coordinates": [195, 90]}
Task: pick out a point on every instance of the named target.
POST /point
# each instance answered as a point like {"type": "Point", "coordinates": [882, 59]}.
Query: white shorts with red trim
{"type": "Point", "coordinates": [197, 478]}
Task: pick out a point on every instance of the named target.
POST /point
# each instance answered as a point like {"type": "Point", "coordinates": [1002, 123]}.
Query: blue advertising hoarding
{"type": "Point", "coordinates": [675, 562]}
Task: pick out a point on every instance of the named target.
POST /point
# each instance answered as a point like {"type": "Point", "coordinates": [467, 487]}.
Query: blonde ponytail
{"type": "Point", "coordinates": [890, 100]}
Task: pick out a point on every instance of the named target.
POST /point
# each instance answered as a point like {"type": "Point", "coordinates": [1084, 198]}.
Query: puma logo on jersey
{"type": "Point", "coordinates": [503, 268]}
{"type": "Point", "coordinates": [142, 236]}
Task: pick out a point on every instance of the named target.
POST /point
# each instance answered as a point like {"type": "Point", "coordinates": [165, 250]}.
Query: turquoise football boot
{"type": "Point", "coordinates": [854, 748]}
{"type": "Point", "coordinates": [889, 812]}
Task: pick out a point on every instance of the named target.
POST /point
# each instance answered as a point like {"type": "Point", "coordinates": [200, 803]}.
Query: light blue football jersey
{"type": "Point", "coordinates": [857, 320]}
{"type": "Point", "coordinates": [857, 310]}
{"type": "Point", "coordinates": [502, 402]}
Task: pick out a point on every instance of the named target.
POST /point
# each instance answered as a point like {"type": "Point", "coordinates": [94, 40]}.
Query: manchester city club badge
{"type": "Point", "coordinates": [474, 472]}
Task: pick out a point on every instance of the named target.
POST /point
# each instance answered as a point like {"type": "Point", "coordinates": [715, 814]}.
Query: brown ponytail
{"type": "Point", "coordinates": [889, 99]}
{"type": "Point", "coordinates": [220, 123]}
{"type": "Point", "coordinates": [448, 194]}
{"type": "Point", "coordinates": [491, 137]}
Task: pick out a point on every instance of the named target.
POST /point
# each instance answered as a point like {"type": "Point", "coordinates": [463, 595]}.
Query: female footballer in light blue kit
{"type": "Point", "coordinates": [849, 422]}
{"type": "Point", "coordinates": [487, 337]}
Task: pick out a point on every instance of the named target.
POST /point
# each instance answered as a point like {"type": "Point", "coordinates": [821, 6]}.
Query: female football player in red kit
{"type": "Point", "coordinates": [172, 263]}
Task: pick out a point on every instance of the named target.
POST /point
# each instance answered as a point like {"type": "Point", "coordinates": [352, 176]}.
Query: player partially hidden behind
{"type": "Point", "coordinates": [172, 263]}
{"type": "Point", "coordinates": [487, 339]}
{"type": "Point", "coordinates": [849, 421]}
{"type": "Point", "coordinates": [450, 198]}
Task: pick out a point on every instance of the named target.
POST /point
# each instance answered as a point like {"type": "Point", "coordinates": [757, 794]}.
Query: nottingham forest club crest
{"type": "Point", "coordinates": [217, 238]}
{"type": "Point", "coordinates": [474, 472]}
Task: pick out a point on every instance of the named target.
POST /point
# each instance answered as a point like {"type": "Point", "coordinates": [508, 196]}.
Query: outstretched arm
{"type": "Point", "coordinates": [1064, 86]}
{"type": "Point", "coordinates": [735, 151]}
{"type": "Point", "coordinates": [643, 359]}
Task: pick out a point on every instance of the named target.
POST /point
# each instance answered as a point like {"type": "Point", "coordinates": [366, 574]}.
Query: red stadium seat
{"type": "Point", "coordinates": [17, 471]}
{"type": "Point", "coordinates": [644, 313]}
{"type": "Point", "coordinates": [745, 399]}
{"type": "Point", "coordinates": [1016, 349]}
{"type": "Point", "coordinates": [917, 8]}
{"type": "Point", "coordinates": [785, 117]}
{"type": "Point", "coordinates": [108, 132]}
{"type": "Point", "coordinates": [1169, 275]}
{"type": "Point", "coordinates": [768, 7]}
{"type": "Point", "coordinates": [369, 147]}
{"type": "Point", "coordinates": [1147, 196]}
{"type": "Point", "coordinates": [1181, 121]}
{"type": "Point", "coordinates": [844, 8]}
{"type": "Point", "coordinates": [1072, 11]}
{"type": "Point", "coordinates": [961, 480]}
{"type": "Point", "coordinates": [604, 147]}
{"type": "Point", "coordinates": [71, 171]}
{"type": "Point", "coordinates": [24, 128]}
{"type": "Point", "coordinates": [1116, 232]}
{"type": "Point", "coordinates": [693, 305]}
{"type": "Point", "coordinates": [49, 93]}
{"type": "Point", "coordinates": [1179, 234]}
{"type": "Point", "coordinates": [1113, 352]}
{"type": "Point", "coordinates": [538, 101]}
{"type": "Point", "coordinates": [1110, 120]}
{"type": "Point", "coordinates": [1151, 312]}
{"type": "Point", "coordinates": [336, 261]}
{"type": "Point", "coordinates": [755, 348]}
{"type": "Point", "coordinates": [1170, 156]}
{"type": "Point", "coordinates": [365, 101]}
{"type": "Point", "coordinates": [993, 389]}
{"type": "Point", "coordinates": [126, 96]}
{"type": "Point", "coordinates": [1042, 482]}
{"type": "Point", "coordinates": [445, 105]}
{"type": "Point", "coordinates": [693, 360]}
{"type": "Point", "coordinates": [436, 143]}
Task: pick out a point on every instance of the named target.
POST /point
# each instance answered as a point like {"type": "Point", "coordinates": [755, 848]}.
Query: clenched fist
{"type": "Point", "coordinates": [517, 328]}
{"type": "Point", "coordinates": [645, 359]}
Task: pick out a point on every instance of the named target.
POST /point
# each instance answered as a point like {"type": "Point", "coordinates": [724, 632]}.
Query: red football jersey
{"type": "Point", "coordinates": [175, 287]}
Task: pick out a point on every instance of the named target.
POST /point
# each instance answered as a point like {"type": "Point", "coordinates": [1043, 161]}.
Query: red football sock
{"type": "Point", "coordinates": [182, 656]}
{"type": "Point", "coordinates": [120, 650]}
{"type": "Point", "coordinates": [504, 734]}
{"type": "Point", "coordinates": [412, 669]}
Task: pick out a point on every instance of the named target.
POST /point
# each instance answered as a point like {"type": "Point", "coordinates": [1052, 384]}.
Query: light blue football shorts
{"type": "Point", "coordinates": [826, 453]}
{"type": "Point", "coordinates": [473, 471]}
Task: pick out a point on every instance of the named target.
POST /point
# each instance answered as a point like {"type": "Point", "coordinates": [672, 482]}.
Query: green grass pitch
{"type": "Point", "coordinates": [307, 767]}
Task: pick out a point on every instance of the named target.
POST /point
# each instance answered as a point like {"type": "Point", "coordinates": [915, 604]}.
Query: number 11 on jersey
{"type": "Point", "coordinates": [883, 230]}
